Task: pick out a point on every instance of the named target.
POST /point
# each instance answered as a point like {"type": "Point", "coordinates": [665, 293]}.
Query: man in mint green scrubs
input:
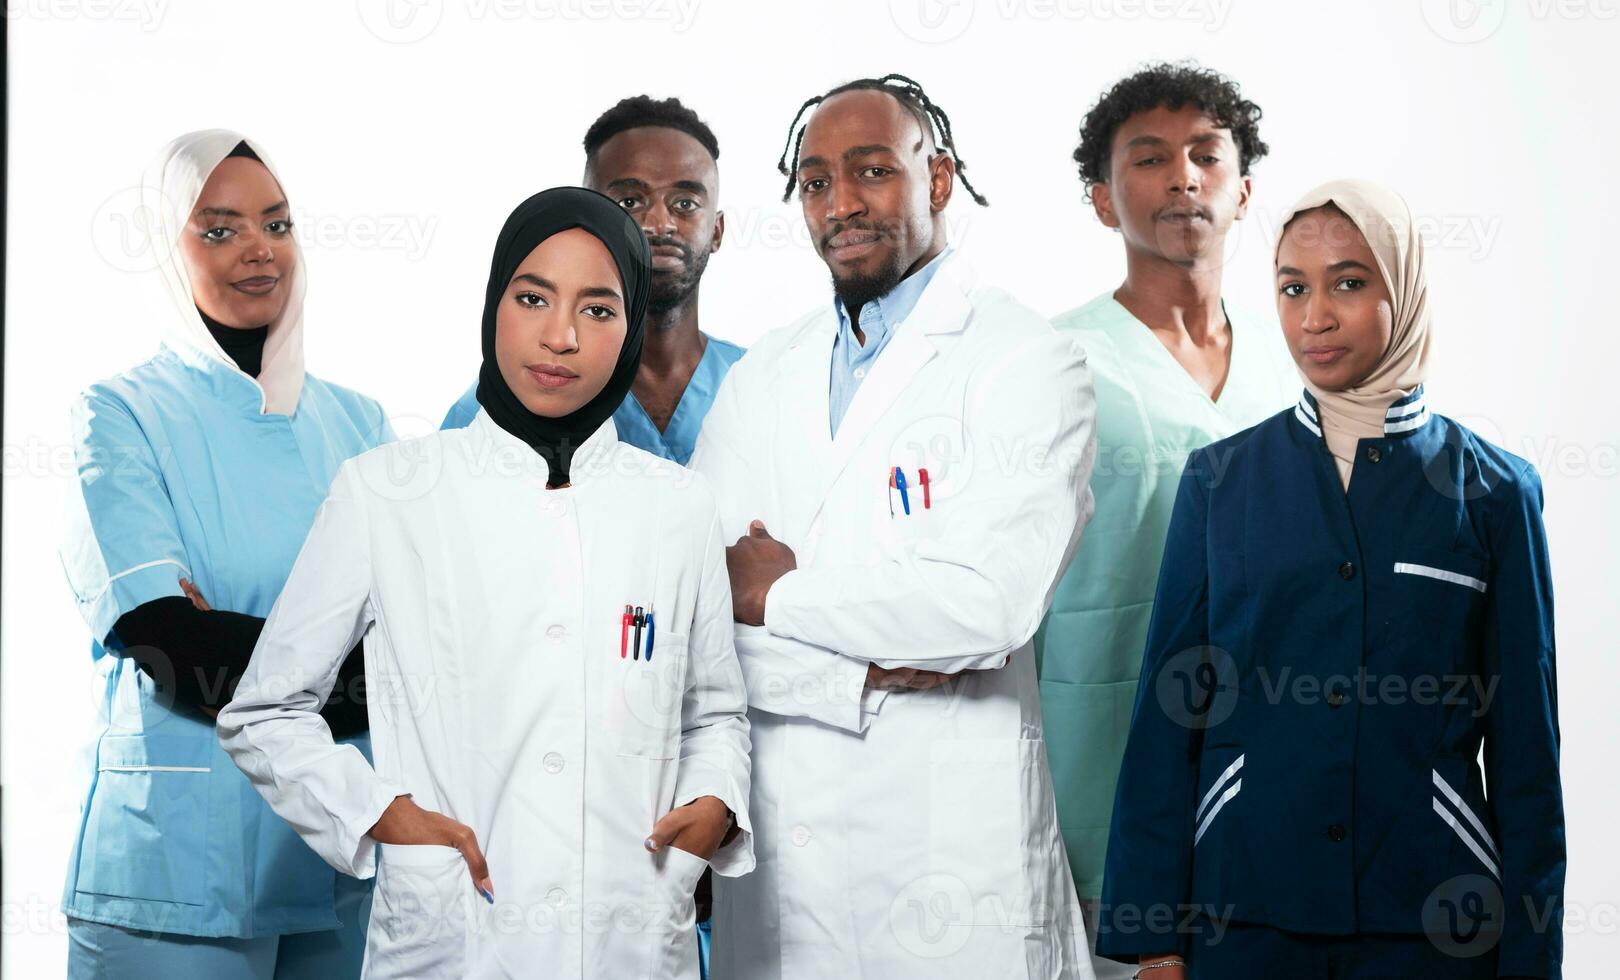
{"type": "Point", "coordinates": [1165, 157]}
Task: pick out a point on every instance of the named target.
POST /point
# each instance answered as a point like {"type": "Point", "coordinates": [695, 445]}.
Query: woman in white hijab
{"type": "Point", "coordinates": [199, 474]}
{"type": "Point", "coordinates": [1355, 599]}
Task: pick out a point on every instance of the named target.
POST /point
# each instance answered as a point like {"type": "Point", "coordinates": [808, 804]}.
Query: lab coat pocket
{"type": "Point", "coordinates": [146, 833]}
{"type": "Point", "coordinates": [987, 817]}
{"type": "Point", "coordinates": [420, 913]}
{"type": "Point", "coordinates": [674, 915]}
{"type": "Point", "coordinates": [646, 708]}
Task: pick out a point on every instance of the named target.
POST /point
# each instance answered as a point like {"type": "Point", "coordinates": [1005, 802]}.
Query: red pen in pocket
{"type": "Point", "coordinates": [624, 633]}
{"type": "Point", "coordinates": [922, 477]}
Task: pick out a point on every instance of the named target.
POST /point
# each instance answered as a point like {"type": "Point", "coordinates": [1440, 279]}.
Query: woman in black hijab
{"type": "Point", "coordinates": [550, 411]}
{"type": "Point", "coordinates": [565, 726]}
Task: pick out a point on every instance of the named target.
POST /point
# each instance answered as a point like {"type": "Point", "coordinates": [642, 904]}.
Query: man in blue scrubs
{"type": "Point", "coordinates": [659, 161]}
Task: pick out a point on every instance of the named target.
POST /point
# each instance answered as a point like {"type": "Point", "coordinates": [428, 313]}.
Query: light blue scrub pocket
{"type": "Point", "coordinates": [147, 830]}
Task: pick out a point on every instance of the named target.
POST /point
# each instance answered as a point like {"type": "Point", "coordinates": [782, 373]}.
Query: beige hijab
{"type": "Point", "coordinates": [169, 192]}
{"type": "Point", "coordinates": [1386, 221]}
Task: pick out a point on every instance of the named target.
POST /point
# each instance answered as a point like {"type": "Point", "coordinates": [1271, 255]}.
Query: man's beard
{"type": "Point", "coordinates": [856, 291]}
{"type": "Point", "coordinates": [671, 291]}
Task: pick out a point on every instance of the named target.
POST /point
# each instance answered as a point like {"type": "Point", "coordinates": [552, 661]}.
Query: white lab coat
{"type": "Point", "coordinates": [491, 611]}
{"type": "Point", "coordinates": [913, 834]}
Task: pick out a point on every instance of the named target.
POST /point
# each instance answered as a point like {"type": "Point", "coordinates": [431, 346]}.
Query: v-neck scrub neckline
{"type": "Point", "coordinates": [1231, 351]}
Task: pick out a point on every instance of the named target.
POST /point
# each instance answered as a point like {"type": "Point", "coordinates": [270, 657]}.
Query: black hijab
{"type": "Point", "coordinates": [535, 220]}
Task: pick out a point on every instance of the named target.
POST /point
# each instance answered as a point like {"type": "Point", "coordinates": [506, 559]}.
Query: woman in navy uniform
{"type": "Point", "coordinates": [1355, 597]}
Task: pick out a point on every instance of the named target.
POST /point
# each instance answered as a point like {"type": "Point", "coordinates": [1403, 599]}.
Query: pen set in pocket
{"type": "Point", "coordinates": [635, 619]}
{"type": "Point", "coordinates": [898, 481]}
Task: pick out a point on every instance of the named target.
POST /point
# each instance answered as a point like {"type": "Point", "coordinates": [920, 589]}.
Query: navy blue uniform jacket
{"type": "Point", "coordinates": [1321, 672]}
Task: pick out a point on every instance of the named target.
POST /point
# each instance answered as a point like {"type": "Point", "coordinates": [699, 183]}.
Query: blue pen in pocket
{"type": "Point", "coordinates": [649, 633]}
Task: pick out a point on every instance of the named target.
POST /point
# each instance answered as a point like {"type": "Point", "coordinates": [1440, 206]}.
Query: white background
{"type": "Point", "coordinates": [405, 136]}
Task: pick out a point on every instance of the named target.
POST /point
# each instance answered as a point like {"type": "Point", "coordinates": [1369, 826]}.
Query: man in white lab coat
{"type": "Point", "coordinates": [905, 471]}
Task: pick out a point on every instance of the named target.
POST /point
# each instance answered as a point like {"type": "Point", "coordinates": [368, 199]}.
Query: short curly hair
{"type": "Point", "coordinates": [1170, 85]}
{"type": "Point", "coordinates": [644, 110]}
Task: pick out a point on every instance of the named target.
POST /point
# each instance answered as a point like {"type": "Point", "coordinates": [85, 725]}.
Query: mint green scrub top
{"type": "Point", "coordinates": [1151, 415]}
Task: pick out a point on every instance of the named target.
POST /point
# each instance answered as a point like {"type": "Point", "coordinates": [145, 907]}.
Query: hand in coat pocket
{"type": "Point", "coordinates": [699, 828]}
{"type": "Point", "coordinates": [406, 823]}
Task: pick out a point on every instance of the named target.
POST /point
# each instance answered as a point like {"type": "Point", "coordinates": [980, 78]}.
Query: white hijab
{"type": "Point", "coordinates": [1385, 220]}
{"type": "Point", "coordinates": [169, 193]}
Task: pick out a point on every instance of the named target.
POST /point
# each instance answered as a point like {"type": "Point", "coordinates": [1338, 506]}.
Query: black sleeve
{"type": "Point", "coordinates": [200, 656]}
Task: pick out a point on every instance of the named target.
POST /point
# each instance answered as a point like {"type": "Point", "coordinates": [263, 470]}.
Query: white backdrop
{"type": "Point", "coordinates": [406, 132]}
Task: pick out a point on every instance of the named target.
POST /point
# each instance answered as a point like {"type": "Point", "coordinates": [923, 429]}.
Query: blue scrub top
{"type": "Point", "coordinates": [678, 440]}
{"type": "Point", "coordinates": [179, 475]}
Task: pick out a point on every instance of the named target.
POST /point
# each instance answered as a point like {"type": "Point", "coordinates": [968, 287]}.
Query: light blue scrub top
{"type": "Point", "coordinates": [180, 475]}
{"type": "Point", "coordinates": [678, 440]}
{"type": "Point", "coordinates": [852, 360]}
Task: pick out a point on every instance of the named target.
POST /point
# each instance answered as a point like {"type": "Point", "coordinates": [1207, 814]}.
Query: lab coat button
{"type": "Point", "coordinates": [1336, 832]}
{"type": "Point", "coordinates": [801, 835]}
{"type": "Point", "coordinates": [1347, 571]}
{"type": "Point", "coordinates": [1373, 454]}
{"type": "Point", "coordinates": [557, 897]}
{"type": "Point", "coordinates": [552, 762]}
{"type": "Point", "coordinates": [556, 632]}
{"type": "Point", "coordinates": [859, 373]}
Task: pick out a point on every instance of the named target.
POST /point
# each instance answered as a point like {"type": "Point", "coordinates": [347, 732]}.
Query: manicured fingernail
{"type": "Point", "coordinates": [650, 844]}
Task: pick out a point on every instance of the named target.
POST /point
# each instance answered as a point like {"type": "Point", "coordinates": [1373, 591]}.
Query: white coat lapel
{"type": "Point", "coordinates": [802, 382]}
{"type": "Point", "coordinates": [943, 308]}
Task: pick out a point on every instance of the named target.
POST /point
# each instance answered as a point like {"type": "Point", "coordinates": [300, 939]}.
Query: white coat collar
{"type": "Point", "coordinates": [591, 460]}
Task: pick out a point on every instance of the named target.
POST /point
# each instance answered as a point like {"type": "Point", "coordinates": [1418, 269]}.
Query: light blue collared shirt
{"type": "Point", "coordinates": [851, 360]}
